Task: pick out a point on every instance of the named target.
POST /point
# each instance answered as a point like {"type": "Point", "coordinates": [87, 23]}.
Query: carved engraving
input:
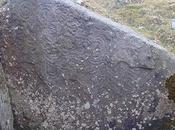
{"type": "Point", "coordinates": [50, 34]}
{"type": "Point", "coordinates": [82, 47]}
{"type": "Point", "coordinates": [97, 50]}
{"type": "Point", "coordinates": [133, 56]}
{"type": "Point", "coordinates": [60, 15]}
{"type": "Point", "coordinates": [72, 27]}
{"type": "Point", "coordinates": [45, 14]}
{"type": "Point", "coordinates": [25, 9]}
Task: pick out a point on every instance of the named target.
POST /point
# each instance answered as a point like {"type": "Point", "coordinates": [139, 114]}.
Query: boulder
{"type": "Point", "coordinates": [68, 68]}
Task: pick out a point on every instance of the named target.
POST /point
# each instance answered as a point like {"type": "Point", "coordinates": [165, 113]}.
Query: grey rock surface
{"type": "Point", "coordinates": [71, 69]}
{"type": "Point", "coordinates": [6, 116]}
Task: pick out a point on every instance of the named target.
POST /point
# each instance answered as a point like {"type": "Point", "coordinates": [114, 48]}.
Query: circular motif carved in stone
{"type": "Point", "coordinates": [97, 50]}
{"type": "Point", "coordinates": [81, 47]}
{"type": "Point", "coordinates": [25, 9]}
{"type": "Point", "coordinates": [45, 14]}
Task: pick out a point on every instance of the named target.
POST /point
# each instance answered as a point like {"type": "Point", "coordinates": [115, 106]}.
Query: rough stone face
{"type": "Point", "coordinates": [6, 116]}
{"type": "Point", "coordinates": [71, 69]}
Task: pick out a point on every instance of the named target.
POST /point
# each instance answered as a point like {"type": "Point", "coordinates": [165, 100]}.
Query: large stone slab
{"type": "Point", "coordinates": [71, 69]}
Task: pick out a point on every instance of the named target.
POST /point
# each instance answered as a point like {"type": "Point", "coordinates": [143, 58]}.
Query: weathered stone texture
{"type": "Point", "coordinates": [71, 69]}
{"type": "Point", "coordinates": [6, 116]}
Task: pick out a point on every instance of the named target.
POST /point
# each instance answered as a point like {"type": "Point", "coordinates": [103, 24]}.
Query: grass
{"type": "Point", "coordinates": [2, 2]}
{"type": "Point", "coordinates": [151, 18]}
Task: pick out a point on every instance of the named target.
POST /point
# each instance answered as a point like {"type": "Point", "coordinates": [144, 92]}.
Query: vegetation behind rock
{"type": "Point", "coordinates": [152, 18]}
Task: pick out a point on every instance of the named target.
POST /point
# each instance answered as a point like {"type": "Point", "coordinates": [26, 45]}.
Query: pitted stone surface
{"type": "Point", "coordinates": [6, 116]}
{"type": "Point", "coordinates": [71, 69]}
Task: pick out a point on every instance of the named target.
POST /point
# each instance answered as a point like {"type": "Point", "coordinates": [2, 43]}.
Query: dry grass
{"type": "Point", "coordinates": [151, 18]}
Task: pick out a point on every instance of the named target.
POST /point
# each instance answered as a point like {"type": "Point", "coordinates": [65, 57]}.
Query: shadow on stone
{"type": "Point", "coordinates": [170, 85]}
